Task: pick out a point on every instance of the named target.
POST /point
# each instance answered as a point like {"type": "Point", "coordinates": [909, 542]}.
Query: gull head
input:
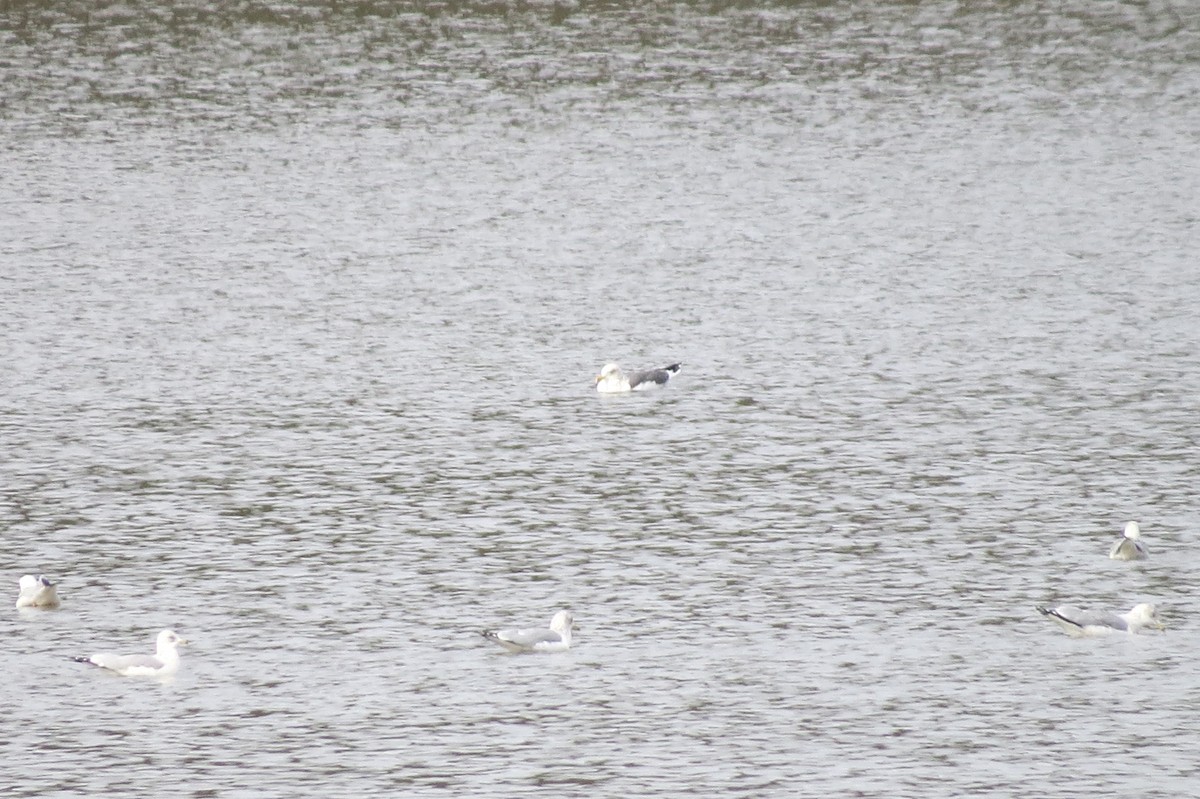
{"type": "Point", "coordinates": [609, 369]}
{"type": "Point", "coordinates": [169, 639]}
{"type": "Point", "coordinates": [1132, 531]}
{"type": "Point", "coordinates": [562, 621]}
{"type": "Point", "coordinates": [1145, 615]}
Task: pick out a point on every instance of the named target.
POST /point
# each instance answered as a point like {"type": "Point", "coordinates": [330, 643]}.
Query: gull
{"type": "Point", "coordinates": [1087, 623]}
{"type": "Point", "coordinates": [37, 592]}
{"type": "Point", "coordinates": [555, 639]}
{"type": "Point", "coordinates": [1129, 545]}
{"type": "Point", "coordinates": [612, 380]}
{"type": "Point", "coordinates": [163, 663]}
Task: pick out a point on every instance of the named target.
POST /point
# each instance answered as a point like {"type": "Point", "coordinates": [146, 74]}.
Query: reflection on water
{"type": "Point", "coordinates": [301, 305]}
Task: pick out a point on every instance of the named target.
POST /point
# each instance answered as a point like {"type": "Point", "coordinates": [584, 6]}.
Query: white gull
{"type": "Point", "coordinates": [1129, 545]}
{"type": "Point", "coordinates": [163, 663]}
{"type": "Point", "coordinates": [555, 639]}
{"type": "Point", "coordinates": [37, 592]}
{"type": "Point", "coordinates": [1089, 623]}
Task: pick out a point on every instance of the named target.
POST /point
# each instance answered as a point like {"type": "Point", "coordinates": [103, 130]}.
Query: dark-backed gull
{"type": "Point", "coordinates": [612, 380]}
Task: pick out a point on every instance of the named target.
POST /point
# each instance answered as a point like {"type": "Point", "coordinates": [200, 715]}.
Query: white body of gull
{"type": "Point", "coordinates": [612, 380]}
{"type": "Point", "coordinates": [555, 639]}
{"type": "Point", "coordinates": [163, 663]}
{"type": "Point", "coordinates": [1088, 623]}
{"type": "Point", "coordinates": [1129, 545]}
{"type": "Point", "coordinates": [37, 592]}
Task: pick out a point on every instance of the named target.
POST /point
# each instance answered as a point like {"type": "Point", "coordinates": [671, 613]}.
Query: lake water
{"type": "Point", "coordinates": [300, 307]}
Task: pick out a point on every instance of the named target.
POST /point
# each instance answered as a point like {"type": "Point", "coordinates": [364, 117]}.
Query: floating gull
{"type": "Point", "coordinates": [555, 639]}
{"type": "Point", "coordinates": [612, 380]}
{"type": "Point", "coordinates": [163, 663]}
{"type": "Point", "coordinates": [1128, 546]}
{"type": "Point", "coordinates": [1081, 623]}
{"type": "Point", "coordinates": [37, 592]}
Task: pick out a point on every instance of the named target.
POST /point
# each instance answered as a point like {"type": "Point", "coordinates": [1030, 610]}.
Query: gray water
{"type": "Point", "coordinates": [300, 307]}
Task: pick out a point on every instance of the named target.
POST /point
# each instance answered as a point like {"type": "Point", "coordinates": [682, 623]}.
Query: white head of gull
{"type": "Point", "coordinates": [37, 592]}
{"type": "Point", "coordinates": [612, 380]}
{"type": "Point", "coordinates": [1129, 545]}
{"type": "Point", "coordinates": [555, 639]}
{"type": "Point", "coordinates": [163, 663]}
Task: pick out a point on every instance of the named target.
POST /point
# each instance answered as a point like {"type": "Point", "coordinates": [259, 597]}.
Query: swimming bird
{"type": "Point", "coordinates": [37, 592]}
{"type": "Point", "coordinates": [612, 380]}
{"type": "Point", "coordinates": [1087, 623]}
{"type": "Point", "coordinates": [555, 639]}
{"type": "Point", "coordinates": [1129, 545]}
{"type": "Point", "coordinates": [163, 663]}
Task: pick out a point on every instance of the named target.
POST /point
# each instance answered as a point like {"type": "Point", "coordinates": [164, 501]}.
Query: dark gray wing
{"type": "Point", "coordinates": [659, 376]}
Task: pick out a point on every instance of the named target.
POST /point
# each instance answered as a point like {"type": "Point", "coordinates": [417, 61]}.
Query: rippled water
{"type": "Point", "coordinates": [299, 310]}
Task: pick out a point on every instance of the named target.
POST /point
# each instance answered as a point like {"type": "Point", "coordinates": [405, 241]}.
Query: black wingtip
{"type": "Point", "coordinates": [673, 368]}
{"type": "Point", "coordinates": [78, 659]}
{"type": "Point", "coordinates": [1054, 614]}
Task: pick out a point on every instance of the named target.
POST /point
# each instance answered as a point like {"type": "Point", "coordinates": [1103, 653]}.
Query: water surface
{"type": "Point", "coordinates": [300, 307]}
